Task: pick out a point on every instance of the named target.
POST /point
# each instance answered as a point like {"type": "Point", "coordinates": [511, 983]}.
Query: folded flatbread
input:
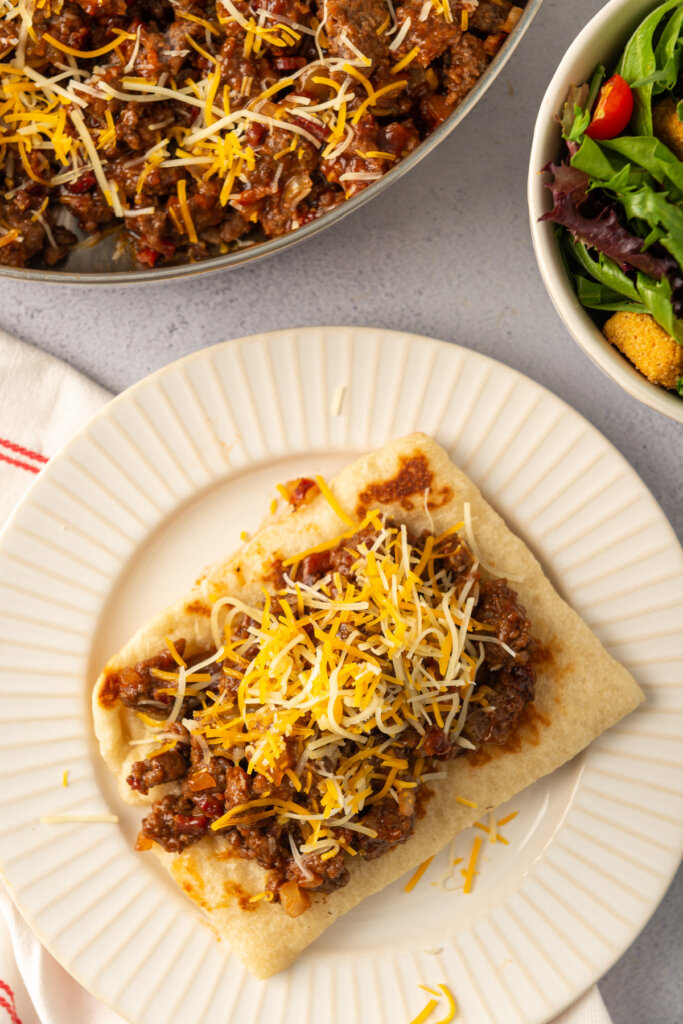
{"type": "Point", "coordinates": [579, 692]}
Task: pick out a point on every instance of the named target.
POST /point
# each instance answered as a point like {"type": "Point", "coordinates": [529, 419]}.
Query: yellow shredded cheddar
{"type": "Point", "coordinates": [200, 49]}
{"type": "Point", "coordinates": [9, 236]}
{"type": "Point", "coordinates": [426, 1012]}
{"type": "Point", "coordinates": [464, 802]}
{"type": "Point", "coordinates": [409, 886]}
{"type": "Point", "coordinates": [440, 992]}
{"type": "Point", "coordinates": [452, 1006]}
{"type": "Point", "coordinates": [87, 53]}
{"type": "Point", "coordinates": [470, 872]}
{"type": "Point", "coordinates": [185, 210]}
{"type": "Point", "coordinates": [404, 61]}
{"type": "Point", "coordinates": [493, 836]}
{"type": "Point", "coordinates": [333, 503]}
{"type": "Point", "coordinates": [174, 652]}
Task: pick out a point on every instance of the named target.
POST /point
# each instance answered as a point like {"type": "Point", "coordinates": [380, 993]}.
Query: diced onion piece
{"type": "Point", "coordinates": [294, 900]}
{"type": "Point", "coordinates": [514, 14]}
{"type": "Point", "coordinates": [201, 780]}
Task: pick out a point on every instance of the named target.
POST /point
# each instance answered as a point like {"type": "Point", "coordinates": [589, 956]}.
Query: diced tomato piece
{"type": "Point", "coordinates": [288, 63]}
{"type": "Point", "coordinates": [321, 131]}
{"type": "Point", "coordinates": [613, 109]}
{"type": "Point", "coordinates": [191, 823]}
{"type": "Point", "coordinates": [212, 806]}
{"type": "Point", "coordinates": [256, 133]}
{"type": "Point", "coordinates": [148, 256]}
{"type": "Point", "coordinates": [82, 184]}
{"type": "Point", "coordinates": [301, 491]}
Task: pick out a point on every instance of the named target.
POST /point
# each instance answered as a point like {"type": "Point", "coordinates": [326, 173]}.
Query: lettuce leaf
{"type": "Point", "coordinates": [569, 189]}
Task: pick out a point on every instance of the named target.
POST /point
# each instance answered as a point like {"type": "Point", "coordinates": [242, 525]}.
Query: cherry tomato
{"type": "Point", "coordinates": [613, 109]}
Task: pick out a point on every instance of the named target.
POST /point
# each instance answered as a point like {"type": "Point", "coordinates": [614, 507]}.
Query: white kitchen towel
{"type": "Point", "coordinates": [43, 403]}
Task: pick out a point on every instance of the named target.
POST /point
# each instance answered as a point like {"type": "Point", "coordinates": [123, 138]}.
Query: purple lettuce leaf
{"type": "Point", "coordinates": [602, 231]}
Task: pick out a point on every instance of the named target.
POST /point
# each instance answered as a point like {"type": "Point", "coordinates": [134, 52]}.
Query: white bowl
{"type": "Point", "coordinates": [600, 42]}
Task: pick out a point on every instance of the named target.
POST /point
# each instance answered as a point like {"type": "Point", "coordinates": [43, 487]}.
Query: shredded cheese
{"type": "Point", "coordinates": [405, 61]}
{"type": "Point", "coordinates": [384, 91]}
{"type": "Point", "coordinates": [426, 1012]}
{"type": "Point", "coordinates": [174, 652]}
{"type": "Point", "coordinates": [333, 503]}
{"type": "Point", "coordinates": [439, 992]}
{"type": "Point", "coordinates": [299, 675]}
{"type": "Point", "coordinates": [9, 236]}
{"type": "Point", "coordinates": [494, 837]}
{"type": "Point", "coordinates": [340, 666]}
{"type": "Point", "coordinates": [409, 886]}
{"type": "Point", "coordinates": [88, 54]}
{"type": "Point", "coordinates": [338, 400]}
{"type": "Point", "coordinates": [452, 1006]}
{"type": "Point", "coordinates": [108, 190]}
{"type": "Point", "coordinates": [470, 871]}
{"type": "Point", "coordinates": [185, 210]}
{"type": "Point", "coordinates": [402, 33]}
{"type": "Point", "coordinates": [464, 802]}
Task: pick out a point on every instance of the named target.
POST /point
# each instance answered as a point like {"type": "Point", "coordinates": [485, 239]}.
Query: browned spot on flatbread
{"type": "Point", "coordinates": [197, 608]}
{"type": "Point", "coordinates": [531, 726]}
{"type": "Point", "coordinates": [424, 795]}
{"type": "Point", "coordinates": [275, 575]}
{"type": "Point", "coordinates": [233, 890]}
{"type": "Point", "coordinates": [190, 881]}
{"type": "Point", "coordinates": [109, 691]}
{"type": "Point", "coordinates": [413, 478]}
{"type": "Point", "coordinates": [225, 854]}
{"type": "Point", "coordinates": [547, 665]}
{"type": "Point", "coordinates": [544, 658]}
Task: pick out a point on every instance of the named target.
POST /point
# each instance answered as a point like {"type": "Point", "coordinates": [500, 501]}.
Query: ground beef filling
{"type": "Point", "coordinates": [205, 788]}
{"type": "Point", "coordinates": [187, 209]}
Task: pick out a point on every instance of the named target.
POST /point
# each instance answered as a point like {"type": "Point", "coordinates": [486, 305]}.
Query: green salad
{"type": "Point", "coordinates": [618, 196]}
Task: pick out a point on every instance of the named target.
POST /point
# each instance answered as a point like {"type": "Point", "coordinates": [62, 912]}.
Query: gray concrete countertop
{"type": "Point", "coordinates": [446, 252]}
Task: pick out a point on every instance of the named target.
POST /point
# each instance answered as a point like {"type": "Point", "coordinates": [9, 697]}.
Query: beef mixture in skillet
{"type": "Point", "coordinates": [202, 125]}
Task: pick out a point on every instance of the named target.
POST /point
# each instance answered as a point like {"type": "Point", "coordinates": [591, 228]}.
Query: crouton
{"type": "Point", "coordinates": [666, 125]}
{"type": "Point", "coordinates": [647, 345]}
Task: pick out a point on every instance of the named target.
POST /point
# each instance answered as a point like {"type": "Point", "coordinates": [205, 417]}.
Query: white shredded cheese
{"type": "Point", "coordinates": [338, 400]}
{"type": "Point", "coordinates": [402, 33]}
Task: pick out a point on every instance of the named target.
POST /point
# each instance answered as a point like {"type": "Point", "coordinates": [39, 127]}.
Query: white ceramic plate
{"type": "Point", "coordinates": [161, 483]}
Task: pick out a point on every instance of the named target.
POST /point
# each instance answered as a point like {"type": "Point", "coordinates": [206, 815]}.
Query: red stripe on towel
{"type": "Point", "coordinates": [5, 1005]}
{"type": "Point", "coordinates": [21, 465]}
{"type": "Point", "coordinates": [19, 450]}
